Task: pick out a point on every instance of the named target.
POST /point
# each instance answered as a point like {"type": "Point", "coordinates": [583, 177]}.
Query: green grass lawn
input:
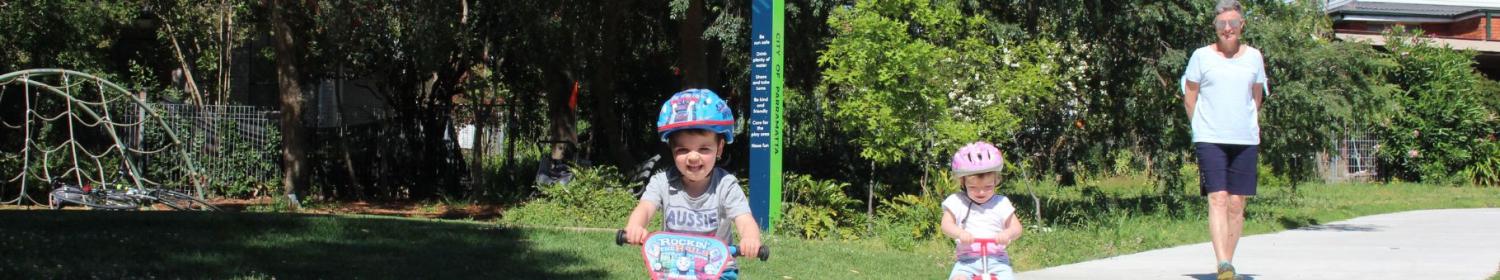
{"type": "Point", "coordinates": [1114, 220]}
{"type": "Point", "coordinates": [112, 245]}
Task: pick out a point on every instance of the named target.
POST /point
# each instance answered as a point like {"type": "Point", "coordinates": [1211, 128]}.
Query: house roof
{"type": "Point", "coordinates": [1409, 10]}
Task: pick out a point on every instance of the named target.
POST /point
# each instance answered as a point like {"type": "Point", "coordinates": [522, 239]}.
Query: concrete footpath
{"type": "Point", "coordinates": [1425, 244]}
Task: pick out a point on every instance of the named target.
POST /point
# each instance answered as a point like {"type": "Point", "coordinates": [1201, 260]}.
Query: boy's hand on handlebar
{"type": "Point", "coordinates": [965, 238]}
{"type": "Point", "coordinates": [750, 247]}
{"type": "Point", "coordinates": [636, 235]}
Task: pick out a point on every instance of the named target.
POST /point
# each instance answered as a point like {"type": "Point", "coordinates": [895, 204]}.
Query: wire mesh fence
{"type": "Point", "coordinates": [236, 147]}
{"type": "Point", "coordinates": [1354, 159]}
{"type": "Point", "coordinates": [1360, 154]}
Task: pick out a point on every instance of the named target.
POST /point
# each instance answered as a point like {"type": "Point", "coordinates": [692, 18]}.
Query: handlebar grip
{"type": "Point", "coordinates": [765, 252]}
{"type": "Point", "coordinates": [620, 237]}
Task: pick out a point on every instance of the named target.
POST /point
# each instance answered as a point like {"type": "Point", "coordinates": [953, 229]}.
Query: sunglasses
{"type": "Point", "coordinates": [982, 189]}
{"type": "Point", "coordinates": [1227, 23]}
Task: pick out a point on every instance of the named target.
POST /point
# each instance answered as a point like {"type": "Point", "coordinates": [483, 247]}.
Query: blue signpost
{"type": "Point", "coordinates": [765, 110]}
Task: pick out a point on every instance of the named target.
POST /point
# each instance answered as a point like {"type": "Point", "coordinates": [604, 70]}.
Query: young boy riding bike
{"type": "Point", "coordinates": [696, 197]}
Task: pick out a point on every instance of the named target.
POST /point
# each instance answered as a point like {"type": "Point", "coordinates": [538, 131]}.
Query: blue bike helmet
{"type": "Point", "coordinates": [695, 109]}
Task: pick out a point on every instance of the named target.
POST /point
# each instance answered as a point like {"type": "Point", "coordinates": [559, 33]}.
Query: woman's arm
{"type": "Point", "coordinates": [1257, 92]}
{"type": "Point", "coordinates": [1190, 97]}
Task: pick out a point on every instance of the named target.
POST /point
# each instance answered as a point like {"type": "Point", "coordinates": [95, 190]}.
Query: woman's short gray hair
{"type": "Point", "coordinates": [1228, 5]}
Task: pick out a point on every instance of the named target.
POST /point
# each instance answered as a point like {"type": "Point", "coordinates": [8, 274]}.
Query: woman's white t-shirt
{"type": "Point", "coordinates": [1225, 112]}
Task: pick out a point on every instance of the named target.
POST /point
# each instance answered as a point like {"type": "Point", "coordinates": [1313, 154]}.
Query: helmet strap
{"type": "Point", "coordinates": [965, 221]}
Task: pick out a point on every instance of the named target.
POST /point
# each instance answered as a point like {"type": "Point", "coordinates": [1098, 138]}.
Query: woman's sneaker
{"type": "Point", "coordinates": [1226, 271]}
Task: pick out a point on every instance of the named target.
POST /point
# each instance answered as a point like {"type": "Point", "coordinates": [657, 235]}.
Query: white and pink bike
{"type": "Point", "coordinates": [986, 247]}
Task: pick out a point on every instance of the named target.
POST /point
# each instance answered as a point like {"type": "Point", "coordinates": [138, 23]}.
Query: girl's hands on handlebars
{"type": "Point", "coordinates": [965, 237]}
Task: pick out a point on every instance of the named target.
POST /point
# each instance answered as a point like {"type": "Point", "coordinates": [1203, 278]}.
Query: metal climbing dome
{"type": "Point", "coordinates": [68, 125]}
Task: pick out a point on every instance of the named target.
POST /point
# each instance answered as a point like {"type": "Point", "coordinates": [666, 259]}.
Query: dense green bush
{"type": "Point", "coordinates": [1440, 129]}
{"type": "Point", "coordinates": [1320, 88]}
{"type": "Point", "coordinates": [818, 209]}
{"type": "Point", "coordinates": [908, 218]}
{"type": "Point", "coordinates": [499, 175]}
{"type": "Point", "coordinates": [1486, 168]}
{"type": "Point", "coordinates": [240, 167]}
{"type": "Point", "coordinates": [912, 78]}
{"type": "Point", "coordinates": [598, 197]}
{"type": "Point", "coordinates": [905, 219]}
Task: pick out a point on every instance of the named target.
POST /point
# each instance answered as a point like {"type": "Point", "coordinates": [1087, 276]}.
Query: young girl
{"type": "Point", "coordinates": [978, 213]}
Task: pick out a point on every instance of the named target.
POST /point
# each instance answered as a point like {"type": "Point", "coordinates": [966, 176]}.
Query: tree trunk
{"type": "Point", "coordinates": [478, 150]}
{"type": "Point", "coordinates": [454, 167]}
{"type": "Point", "coordinates": [693, 59]}
{"type": "Point", "coordinates": [187, 70]}
{"type": "Point", "coordinates": [512, 115]}
{"type": "Point", "coordinates": [294, 169]}
{"type": "Point", "coordinates": [439, 156]}
{"type": "Point", "coordinates": [1036, 203]}
{"type": "Point", "coordinates": [354, 181]}
{"type": "Point", "coordinates": [605, 102]}
{"type": "Point", "coordinates": [226, 50]}
{"type": "Point", "coordinates": [870, 201]}
{"type": "Point", "coordinates": [562, 119]}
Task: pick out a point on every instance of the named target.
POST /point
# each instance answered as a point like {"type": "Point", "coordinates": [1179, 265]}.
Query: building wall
{"type": "Point", "coordinates": [1356, 27]}
{"type": "Point", "coordinates": [1436, 29]}
{"type": "Point", "coordinates": [1471, 29]}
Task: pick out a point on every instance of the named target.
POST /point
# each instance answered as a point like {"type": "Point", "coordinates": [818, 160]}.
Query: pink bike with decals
{"type": "Point", "coordinates": [681, 256]}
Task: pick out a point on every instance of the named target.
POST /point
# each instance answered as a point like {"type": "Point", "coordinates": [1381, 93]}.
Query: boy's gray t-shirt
{"type": "Point", "coordinates": [711, 213]}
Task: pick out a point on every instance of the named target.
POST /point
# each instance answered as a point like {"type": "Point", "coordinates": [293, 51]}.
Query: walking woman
{"type": "Point", "coordinates": [1224, 86]}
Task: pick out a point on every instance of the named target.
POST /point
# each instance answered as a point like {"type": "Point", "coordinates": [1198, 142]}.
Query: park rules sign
{"type": "Point", "coordinates": [765, 110]}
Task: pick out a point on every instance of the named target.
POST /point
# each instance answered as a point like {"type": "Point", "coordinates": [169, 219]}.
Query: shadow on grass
{"type": "Point", "coordinates": [1212, 276]}
{"type": "Point", "coordinates": [1310, 224]}
{"type": "Point", "coordinates": [113, 245]}
{"type": "Point", "coordinates": [1360, 228]}
{"type": "Point", "coordinates": [1093, 206]}
{"type": "Point", "coordinates": [1296, 222]}
{"type": "Point", "coordinates": [1090, 206]}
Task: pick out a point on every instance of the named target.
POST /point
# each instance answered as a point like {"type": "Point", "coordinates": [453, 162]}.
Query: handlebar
{"type": "Point", "coordinates": [765, 252]}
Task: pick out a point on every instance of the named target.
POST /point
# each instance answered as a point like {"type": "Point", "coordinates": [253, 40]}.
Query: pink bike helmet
{"type": "Point", "coordinates": [976, 158]}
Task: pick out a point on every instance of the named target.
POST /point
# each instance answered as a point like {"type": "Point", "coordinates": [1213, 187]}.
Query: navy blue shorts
{"type": "Point", "coordinates": [1227, 167]}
